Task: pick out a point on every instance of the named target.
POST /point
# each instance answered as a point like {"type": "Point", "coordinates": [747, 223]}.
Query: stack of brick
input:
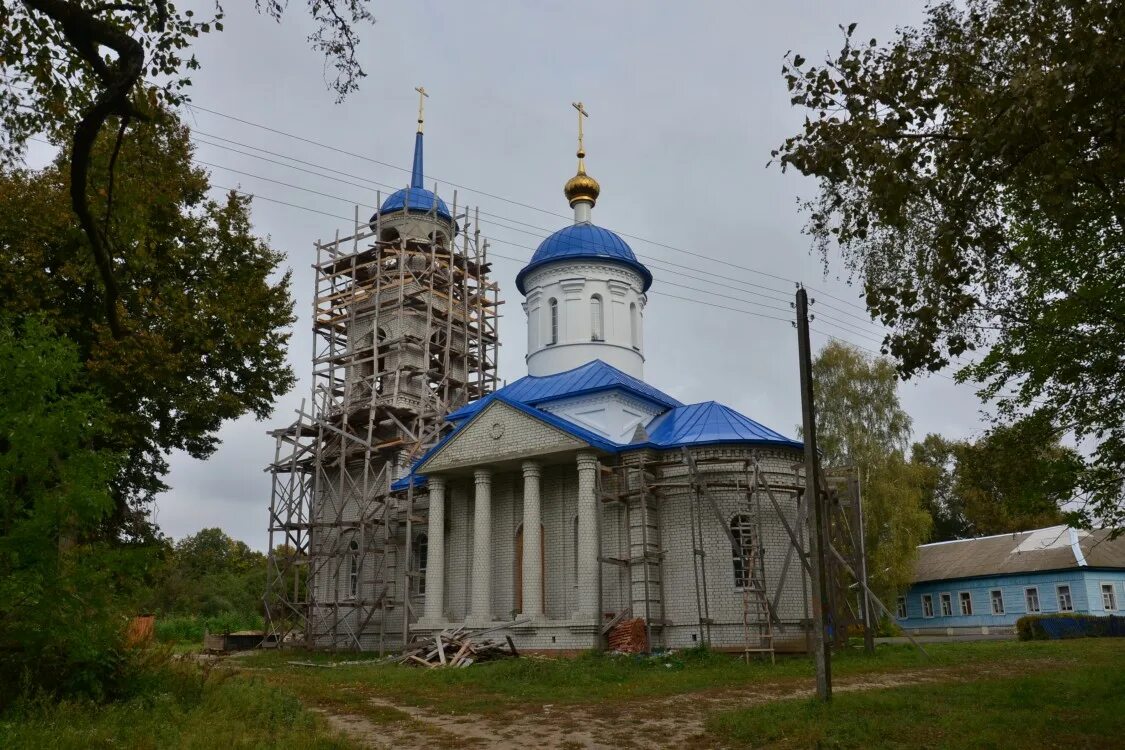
{"type": "Point", "coordinates": [628, 637]}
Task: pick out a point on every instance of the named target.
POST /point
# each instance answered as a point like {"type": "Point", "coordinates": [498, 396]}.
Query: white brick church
{"type": "Point", "coordinates": [580, 495]}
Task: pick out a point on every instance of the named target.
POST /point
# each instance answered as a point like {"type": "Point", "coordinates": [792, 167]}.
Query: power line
{"type": "Point", "coordinates": [499, 222]}
{"type": "Point", "coordinates": [351, 154]}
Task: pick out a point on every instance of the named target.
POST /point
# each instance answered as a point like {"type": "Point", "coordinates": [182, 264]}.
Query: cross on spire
{"type": "Point", "coordinates": [581, 113]}
{"type": "Point", "coordinates": [422, 96]}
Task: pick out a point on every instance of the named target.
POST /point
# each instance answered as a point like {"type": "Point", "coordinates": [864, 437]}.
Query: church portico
{"type": "Point", "coordinates": [488, 568]}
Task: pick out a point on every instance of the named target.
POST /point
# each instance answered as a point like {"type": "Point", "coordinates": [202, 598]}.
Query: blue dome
{"type": "Point", "coordinates": [583, 241]}
{"type": "Point", "coordinates": [420, 201]}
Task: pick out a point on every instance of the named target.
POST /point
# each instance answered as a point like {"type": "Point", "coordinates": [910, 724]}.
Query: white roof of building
{"type": "Point", "coordinates": [1053, 548]}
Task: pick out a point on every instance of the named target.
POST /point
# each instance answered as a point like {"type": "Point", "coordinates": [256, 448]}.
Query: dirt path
{"type": "Point", "coordinates": [673, 722]}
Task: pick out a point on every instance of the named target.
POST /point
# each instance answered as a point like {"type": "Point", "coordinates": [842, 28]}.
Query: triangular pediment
{"type": "Point", "coordinates": [500, 432]}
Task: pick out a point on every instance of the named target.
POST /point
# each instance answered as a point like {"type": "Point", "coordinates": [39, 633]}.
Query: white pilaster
{"type": "Point", "coordinates": [587, 535]}
{"type": "Point", "coordinates": [435, 564]}
{"type": "Point", "coordinates": [532, 553]}
{"type": "Point", "coordinates": [480, 606]}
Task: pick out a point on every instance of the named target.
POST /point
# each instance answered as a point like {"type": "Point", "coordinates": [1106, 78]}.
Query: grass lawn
{"type": "Point", "coordinates": [985, 694]}
{"type": "Point", "coordinates": [181, 708]}
{"type": "Point", "coordinates": [494, 687]}
{"type": "Point", "coordinates": [1080, 705]}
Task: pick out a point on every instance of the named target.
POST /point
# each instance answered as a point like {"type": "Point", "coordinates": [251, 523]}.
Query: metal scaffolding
{"type": "Point", "coordinates": [405, 331]}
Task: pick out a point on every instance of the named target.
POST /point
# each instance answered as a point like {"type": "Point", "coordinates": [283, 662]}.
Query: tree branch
{"type": "Point", "coordinates": [86, 33]}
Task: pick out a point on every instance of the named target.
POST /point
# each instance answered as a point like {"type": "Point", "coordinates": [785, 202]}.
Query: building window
{"type": "Point", "coordinates": [635, 326]}
{"type": "Point", "coordinates": [597, 319]}
{"type": "Point", "coordinates": [421, 555]}
{"type": "Point", "coordinates": [553, 306]}
{"type": "Point", "coordinates": [946, 605]}
{"type": "Point", "coordinates": [1066, 604]}
{"type": "Point", "coordinates": [1109, 597]}
{"type": "Point", "coordinates": [353, 569]}
{"type": "Point", "coordinates": [1032, 596]}
{"type": "Point", "coordinates": [902, 608]}
{"type": "Point", "coordinates": [997, 597]}
{"type": "Point", "coordinates": [927, 605]}
{"type": "Point", "coordinates": [966, 603]}
{"type": "Point", "coordinates": [741, 531]}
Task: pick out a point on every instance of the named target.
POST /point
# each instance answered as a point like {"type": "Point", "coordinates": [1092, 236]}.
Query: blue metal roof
{"type": "Point", "coordinates": [708, 423]}
{"type": "Point", "coordinates": [416, 199]}
{"type": "Point", "coordinates": [583, 241]}
{"type": "Point", "coordinates": [591, 377]}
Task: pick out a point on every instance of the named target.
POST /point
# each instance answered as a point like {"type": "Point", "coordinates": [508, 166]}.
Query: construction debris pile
{"type": "Point", "coordinates": [456, 648]}
{"type": "Point", "coordinates": [628, 637]}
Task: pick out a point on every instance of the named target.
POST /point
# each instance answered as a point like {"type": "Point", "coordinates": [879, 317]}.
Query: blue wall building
{"type": "Point", "coordinates": [984, 585]}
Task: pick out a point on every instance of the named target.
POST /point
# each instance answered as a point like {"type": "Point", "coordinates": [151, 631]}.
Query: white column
{"type": "Point", "coordinates": [480, 606]}
{"type": "Point", "coordinates": [532, 553]}
{"type": "Point", "coordinates": [435, 563]}
{"type": "Point", "coordinates": [587, 535]}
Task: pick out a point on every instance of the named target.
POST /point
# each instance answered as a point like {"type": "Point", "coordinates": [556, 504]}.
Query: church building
{"type": "Point", "coordinates": [580, 496]}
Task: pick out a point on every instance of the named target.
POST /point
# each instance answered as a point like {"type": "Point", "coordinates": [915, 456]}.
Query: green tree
{"type": "Point", "coordinates": [972, 174]}
{"type": "Point", "coordinates": [79, 65]}
{"type": "Point", "coordinates": [208, 308]}
{"type": "Point", "coordinates": [1015, 478]}
{"type": "Point", "coordinates": [860, 423]}
{"type": "Point", "coordinates": [209, 573]}
{"type": "Point", "coordinates": [62, 592]}
{"type": "Point", "coordinates": [940, 497]}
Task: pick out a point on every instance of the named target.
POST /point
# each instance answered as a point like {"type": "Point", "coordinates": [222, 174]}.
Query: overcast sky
{"type": "Point", "coordinates": [686, 101]}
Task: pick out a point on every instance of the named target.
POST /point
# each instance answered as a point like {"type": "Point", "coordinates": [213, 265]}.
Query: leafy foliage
{"type": "Point", "coordinates": [972, 174]}
{"type": "Point", "coordinates": [860, 423]}
{"type": "Point", "coordinates": [61, 590]}
{"type": "Point", "coordinates": [209, 323]}
{"type": "Point", "coordinates": [209, 574]}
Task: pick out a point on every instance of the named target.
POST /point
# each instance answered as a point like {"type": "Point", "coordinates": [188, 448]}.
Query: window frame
{"type": "Point", "coordinates": [553, 315]}
{"type": "Point", "coordinates": [1069, 597]}
{"type": "Point", "coordinates": [900, 609]}
{"type": "Point", "coordinates": [928, 603]}
{"type": "Point", "coordinates": [597, 318]}
{"type": "Point", "coordinates": [945, 602]}
{"type": "Point", "coordinates": [992, 600]}
{"type": "Point", "coordinates": [1027, 600]}
{"type": "Point", "coordinates": [353, 569]}
{"type": "Point", "coordinates": [635, 326]}
{"type": "Point", "coordinates": [963, 598]}
{"type": "Point", "coordinates": [740, 524]}
{"type": "Point", "coordinates": [1110, 588]}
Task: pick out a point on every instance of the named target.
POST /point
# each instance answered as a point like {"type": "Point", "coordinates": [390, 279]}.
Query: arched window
{"type": "Point", "coordinates": [421, 554]}
{"type": "Point", "coordinates": [741, 531]}
{"type": "Point", "coordinates": [635, 325]}
{"type": "Point", "coordinates": [597, 321]}
{"type": "Point", "coordinates": [553, 304]}
{"type": "Point", "coordinates": [380, 359]}
{"type": "Point", "coordinates": [353, 568]}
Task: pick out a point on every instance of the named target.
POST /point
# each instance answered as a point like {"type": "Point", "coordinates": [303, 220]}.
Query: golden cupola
{"type": "Point", "coordinates": [581, 188]}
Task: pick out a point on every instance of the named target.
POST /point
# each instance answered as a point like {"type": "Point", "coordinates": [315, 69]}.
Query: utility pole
{"type": "Point", "coordinates": [821, 644]}
{"type": "Point", "coordinates": [861, 567]}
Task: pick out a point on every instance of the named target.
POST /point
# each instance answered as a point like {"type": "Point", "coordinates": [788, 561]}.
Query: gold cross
{"type": "Point", "coordinates": [581, 113]}
{"type": "Point", "coordinates": [422, 96]}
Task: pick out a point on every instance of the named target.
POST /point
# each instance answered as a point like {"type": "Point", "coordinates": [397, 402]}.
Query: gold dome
{"type": "Point", "coordinates": [582, 187]}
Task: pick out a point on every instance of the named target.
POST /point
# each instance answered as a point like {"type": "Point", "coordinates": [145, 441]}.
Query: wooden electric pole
{"type": "Point", "coordinates": [817, 542]}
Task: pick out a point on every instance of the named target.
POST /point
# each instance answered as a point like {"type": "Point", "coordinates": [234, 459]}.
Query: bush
{"type": "Point", "coordinates": [191, 628]}
{"type": "Point", "coordinates": [1045, 627]}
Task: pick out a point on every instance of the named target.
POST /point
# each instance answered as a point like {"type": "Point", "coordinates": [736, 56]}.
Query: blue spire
{"type": "Point", "coordinates": [416, 174]}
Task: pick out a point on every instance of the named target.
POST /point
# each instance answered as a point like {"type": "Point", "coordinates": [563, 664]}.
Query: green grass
{"type": "Point", "coordinates": [176, 628]}
{"type": "Point", "coordinates": [594, 678]}
{"type": "Point", "coordinates": [1077, 705]}
{"type": "Point", "coordinates": [178, 707]}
